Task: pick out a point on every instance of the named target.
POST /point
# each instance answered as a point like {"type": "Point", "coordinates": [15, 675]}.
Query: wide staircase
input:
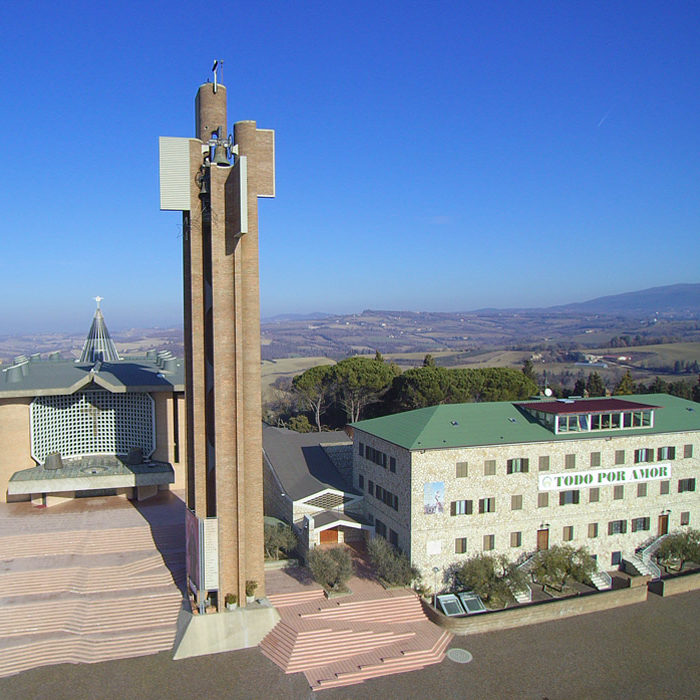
{"type": "Point", "coordinates": [344, 641]}
{"type": "Point", "coordinates": [83, 596]}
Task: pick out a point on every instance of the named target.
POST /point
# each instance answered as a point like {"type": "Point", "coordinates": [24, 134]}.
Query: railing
{"type": "Point", "coordinates": [647, 553]}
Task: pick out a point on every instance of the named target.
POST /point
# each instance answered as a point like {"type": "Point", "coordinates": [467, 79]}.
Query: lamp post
{"type": "Point", "coordinates": [435, 571]}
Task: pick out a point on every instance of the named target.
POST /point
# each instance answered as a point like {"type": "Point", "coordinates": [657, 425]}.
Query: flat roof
{"type": "Point", "coordinates": [567, 406]}
{"type": "Point", "coordinates": [90, 472]}
{"type": "Point", "coordinates": [502, 423]}
{"type": "Point", "coordinates": [52, 377]}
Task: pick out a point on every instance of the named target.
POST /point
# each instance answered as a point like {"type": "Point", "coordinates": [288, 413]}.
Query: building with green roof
{"type": "Point", "coordinates": [450, 481]}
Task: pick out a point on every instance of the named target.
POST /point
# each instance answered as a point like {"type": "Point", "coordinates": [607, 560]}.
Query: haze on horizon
{"type": "Point", "coordinates": [429, 157]}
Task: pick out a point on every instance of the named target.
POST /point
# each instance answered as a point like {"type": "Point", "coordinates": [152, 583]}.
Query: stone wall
{"type": "Point", "coordinates": [433, 535]}
{"type": "Point", "coordinates": [678, 584]}
{"type": "Point", "coordinates": [536, 612]}
{"type": "Point", "coordinates": [340, 453]}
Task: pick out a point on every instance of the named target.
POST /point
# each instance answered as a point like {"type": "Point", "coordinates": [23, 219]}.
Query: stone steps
{"type": "Point", "coordinates": [407, 661]}
{"type": "Point", "coordinates": [391, 610]}
{"type": "Point", "coordinates": [284, 600]}
{"type": "Point", "coordinates": [88, 596]}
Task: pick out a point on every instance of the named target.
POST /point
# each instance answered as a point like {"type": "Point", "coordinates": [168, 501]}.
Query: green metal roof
{"type": "Point", "coordinates": [474, 424]}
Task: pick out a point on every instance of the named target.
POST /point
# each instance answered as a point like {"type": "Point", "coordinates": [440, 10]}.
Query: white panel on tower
{"type": "Point", "coordinates": [174, 173]}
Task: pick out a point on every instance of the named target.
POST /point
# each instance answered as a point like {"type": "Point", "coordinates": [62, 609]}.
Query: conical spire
{"type": "Point", "coordinates": [98, 344]}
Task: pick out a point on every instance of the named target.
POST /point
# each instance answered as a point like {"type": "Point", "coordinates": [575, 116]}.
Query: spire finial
{"type": "Point", "coordinates": [98, 299]}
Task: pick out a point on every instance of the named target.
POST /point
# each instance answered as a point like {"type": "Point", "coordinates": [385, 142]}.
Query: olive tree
{"type": "Point", "coordinates": [555, 566]}
{"type": "Point", "coordinates": [492, 577]}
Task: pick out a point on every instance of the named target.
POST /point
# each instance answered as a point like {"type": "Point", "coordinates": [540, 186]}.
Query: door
{"type": "Point", "coordinates": [542, 539]}
{"type": "Point", "coordinates": [663, 525]}
{"type": "Point", "coordinates": [329, 536]}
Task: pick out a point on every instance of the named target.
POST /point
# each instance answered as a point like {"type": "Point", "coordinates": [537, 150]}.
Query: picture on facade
{"type": "Point", "coordinates": [434, 497]}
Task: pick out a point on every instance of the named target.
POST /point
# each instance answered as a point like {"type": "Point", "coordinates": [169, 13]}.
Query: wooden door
{"type": "Point", "coordinates": [542, 539]}
{"type": "Point", "coordinates": [329, 536]}
{"type": "Point", "coordinates": [663, 525]}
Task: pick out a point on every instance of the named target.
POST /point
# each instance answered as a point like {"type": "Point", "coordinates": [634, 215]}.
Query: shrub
{"type": "Point", "coordinates": [250, 587]}
{"type": "Point", "coordinates": [555, 566]}
{"type": "Point", "coordinates": [300, 423]}
{"type": "Point", "coordinates": [492, 577]}
{"type": "Point", "coordinates": [392, 566]}
{"type": "Point", "coordinates": [332, 568]}
{"type": "Point", "coordinates": [279, 538]}
{"type": "Point", "coordinates": [678, 548]}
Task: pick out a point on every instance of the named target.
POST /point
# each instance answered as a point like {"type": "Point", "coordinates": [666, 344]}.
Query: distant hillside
{"type": "Point", "coordinates": [678, 300]}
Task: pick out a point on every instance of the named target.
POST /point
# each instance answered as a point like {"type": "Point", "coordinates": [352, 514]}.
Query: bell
{"type": "Point", "coordinates": [221, 157]}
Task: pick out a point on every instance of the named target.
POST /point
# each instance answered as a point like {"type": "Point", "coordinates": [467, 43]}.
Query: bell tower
{"type": "Point", "coordinates": [215, 179]}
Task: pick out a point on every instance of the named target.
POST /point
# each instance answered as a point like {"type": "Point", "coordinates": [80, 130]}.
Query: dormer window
{"type": "Point", "coordinates": [576, 416]}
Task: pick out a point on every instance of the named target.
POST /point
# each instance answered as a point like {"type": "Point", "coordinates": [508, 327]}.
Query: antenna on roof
{"type": "Point", "coordinates": [218, 65]}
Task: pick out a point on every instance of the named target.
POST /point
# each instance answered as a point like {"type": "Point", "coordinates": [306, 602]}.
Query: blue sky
{"type": "Point", "coordinates": [430, 155]}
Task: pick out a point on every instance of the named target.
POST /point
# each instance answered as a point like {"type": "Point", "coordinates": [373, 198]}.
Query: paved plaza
{"type": "Point", "coordinates": [647, 650]}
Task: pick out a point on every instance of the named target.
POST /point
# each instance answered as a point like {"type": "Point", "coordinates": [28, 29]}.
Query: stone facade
{"type": "Point", "coordinates": [516, 509]}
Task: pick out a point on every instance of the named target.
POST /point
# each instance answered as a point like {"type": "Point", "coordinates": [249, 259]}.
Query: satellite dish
{"type": "Point", "coordinates": [547, 392]}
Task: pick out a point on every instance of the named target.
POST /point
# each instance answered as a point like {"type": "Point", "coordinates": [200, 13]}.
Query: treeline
{"type": "Point", "coordinates": [363, 387]}
{"type": "Point", "coordinates": [593, 385]}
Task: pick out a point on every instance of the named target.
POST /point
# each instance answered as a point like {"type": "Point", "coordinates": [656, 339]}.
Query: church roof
{"type": "Point", "coordinates": [99, 344]}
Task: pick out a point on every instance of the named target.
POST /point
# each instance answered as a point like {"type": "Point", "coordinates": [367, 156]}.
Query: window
{"type": "Point", "coordinates": [568, 497]}
{"type": "Point", "coordinates": [489, 542]}
{"type": "Point", "coordinates": [380, 527]}
{"type": "Point", "coordinates": [375, 456]}
{"type": "Point", "coordinates": [370, 487]}
{"type": "Point", "coordinates": [644, 455]}
{"type": "Point", "coordinates": [543, 463]}
{"type": "Point", "coordinates": [461, 545]}
{"type": "Point", "coordinates": [489, 467]}
{"type": "Point", "coordinates": [392, 464]}
{"type": "Point", "coordinates": [617, 527]}
{"type": "Point", "coordinates": [594, 495]}
{"type": "Point", "coordinates": [462, 470]}
{"type": "Point", "coordinates": [361, 481]}
{"type": "Point", "coordinates": [543, 499]}
{"type": "Point", "coordinates": [570, 461]}
{"type": "Point", "coordinates": [641, 490]}
{"type": "Point", "coordinates": [664, 487]}
{"type": "Point", "coordinates": [616, 558]}
{"type": "Point", "coordinates": [665, 453]}
{"type": "Point", "coordinates": [568, 533]}
{"type": "Point", "coordinates": [514, 466]}
{"type": "Point", "coordinates": [516, 539]}
{"type": "Point", "coordinates": [640, 524]}
{"type": "Point", "coordinates": [394, 538]}
{"type": "Point", "coordinates": [685, 517]}
{"type": "Point", "coordinates": [595, 459]}
{"type": "Point", "coordinates": [516, 502]}
{"type": "Point", "coordinates": [686, 485]}
{"type": "Point", "coordinates": [687, 451]}
{"type": "Point", "coordinates": [593, 530]}
{"type": "Point", "coordinates": [487, 505]}
{"type": "Point", "coordinates": [461, 508]}
{"type": "Point", "coordinates": [618, 492]}
{"type": "Point", "coordinates": [619, 456]}
{"type": "Point", "coordinates": [362, 449]}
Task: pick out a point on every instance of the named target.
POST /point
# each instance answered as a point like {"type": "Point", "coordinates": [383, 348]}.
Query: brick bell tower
{"type": "Point", "coordinates": [215, 179]}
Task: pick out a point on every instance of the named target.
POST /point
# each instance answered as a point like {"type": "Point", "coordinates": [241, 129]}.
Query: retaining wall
{"type": "Point", "coordinates": [537, 612]}
{"type": "Point", "coordinates": [676, 585]}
